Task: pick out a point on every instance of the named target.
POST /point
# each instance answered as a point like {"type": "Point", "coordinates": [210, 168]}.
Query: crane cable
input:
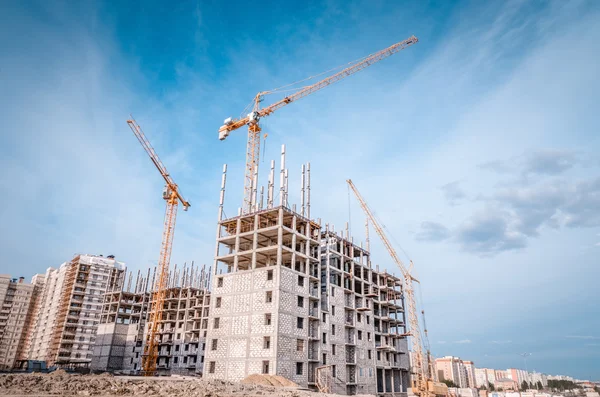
{"type": "Point", "coordinates": [274, 90]}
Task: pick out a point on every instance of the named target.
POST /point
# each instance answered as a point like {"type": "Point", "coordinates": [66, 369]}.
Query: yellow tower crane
{"type": "Point", "coordinates": [252, 119]}
{"type": "Point", "coordinates": [422, 367]}
{"type": "Point", "coordinates": [172, 196]}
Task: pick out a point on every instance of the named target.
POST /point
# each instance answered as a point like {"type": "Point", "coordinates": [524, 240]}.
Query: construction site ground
{"type": "Point", "coordinates": [60, 383]}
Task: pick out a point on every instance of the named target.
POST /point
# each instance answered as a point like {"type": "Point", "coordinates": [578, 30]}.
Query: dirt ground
{"type": "Point", "coordinates": [60, 383]}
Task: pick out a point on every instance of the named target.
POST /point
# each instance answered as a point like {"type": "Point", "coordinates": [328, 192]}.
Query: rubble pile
{"type": "Point", "coordinates": [65, 384]}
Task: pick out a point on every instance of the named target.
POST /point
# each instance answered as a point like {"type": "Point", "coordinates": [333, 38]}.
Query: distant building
{"type": "Point", "coordinates": [17, 299]}
{"type": "Point", "coordinates": [481, 378]}
{"type": "Point", "coordinates": [506, 384]}
{"type": "Point", "coordinates": [538, 377]}
{"type": "Point", "coordinates": [69, 309]}
{"type": "Point", "coordinates": [453, 369]}
{"type": "Point", "coordinates": [469, 368]}
{"type": "Point", "coordinates": [518, 375]}
{"type": "Point", "coordinates": [468, 392]}
{"type": "Point", "coordinates": [491, 375]}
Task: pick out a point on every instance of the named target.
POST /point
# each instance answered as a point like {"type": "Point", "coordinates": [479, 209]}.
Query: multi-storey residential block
{"type": "Point", "coordinates": [69, 309]}
{"type": "Point", "coordinates": [17, 300]}
{"type": "Point", "coordinates": [289, 299]}
{"type": "Point", "coordinates": [453, 369]}
{"type": "Point", "coordinates": [292, 299]}
{"type": "Point", "coordinates": [470, 371]}
{"type": "Point", "coordinates": [125, 321]}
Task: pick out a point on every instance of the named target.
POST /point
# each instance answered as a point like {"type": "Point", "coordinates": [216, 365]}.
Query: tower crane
{"type": "Point", "coordinates": [253, 118]}
{"type": "Point", "coordinates": [422, 367]}
{"type": "Point", "coordinates": [172, 197]}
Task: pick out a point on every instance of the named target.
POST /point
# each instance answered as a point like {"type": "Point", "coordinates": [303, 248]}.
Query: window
{"type": "Point", "coordinates": [299, 345]}
{"type": "Point", "coordinates": [178, 336]}
{"type": "Point", "coordinates": [219, 284]}
{"type": "Point", "coordinates": [300, 301]}
{"type": "Point", "coordinates": [368, 319]}
{"type": "Point", "coordinates": [324, 338]}
{"type": "Point", "coordinates": [218, 302]}
{"type": "Point", "coordinates": [269, 296]}
{"type": "Point", "coordinates": [359, 335]}
{"type": "Point", "coordinates": [332, 291]}
{"type": "Point", "coordinates": [214, 344]}
{"type": "Point", "coordinates": [216, 323]}
{"type": "Point", "coordinates": [370, 372]}
{"type": "Point", "coordinates": [332, 329]}
{"type": "Point", "coordinates": [269, 275]}
{"type": "Point", "coordinates": [333, 350]}
{"type": "Point", "coordinates": [324, 359]}
{"type": "Point", "coordinates": [369, 354]}
{"type": "Point", "coordinates": [378, 355]}
{"type": "Point", "coordinates": [324, 317]}
{"type": "Point", "coordinates": [265, 367]}
{"type": "Point", "coordinates": [267, 342]}
{"type": "Point", "coordinates": [211, 367]}
{"type": "Point", "coordinates": [333, 371]}
{"type": "Point", "coordinates": [300, 281]}
{"type": "Point", "coordinates": [268, 319]}
{"type": "Point", "coordinates": [358, 317]}
{"type": "Point", "coordinates": [369, 336]}
{"type": "Point", "coordinates": [299, 368]}
{"type": "Point", "coordinates": [175, 360]}
{"type": "Point", "coordinates": [185, 360]}
{"type": "Point", "coordinates": [300, 323]}
{"type": "Point", "coordinates": [333, 310]}
{"type": "Point", "coordinates": [177, 348]}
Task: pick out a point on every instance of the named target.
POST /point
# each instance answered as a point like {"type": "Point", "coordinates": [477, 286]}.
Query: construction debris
{"type": "Point", "coordinates": [64, 384]}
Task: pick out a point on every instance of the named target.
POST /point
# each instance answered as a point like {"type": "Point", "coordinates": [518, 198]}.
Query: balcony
{"type": "Point", "coordinates": [349, 321]}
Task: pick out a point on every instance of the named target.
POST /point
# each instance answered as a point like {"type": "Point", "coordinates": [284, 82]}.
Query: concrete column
{"type": "Point", "coordinates": [280, 237]}
{"type": "Point", "coordinates": [236, 258]}
{"type": "Point", "coordinates": [254, 242]}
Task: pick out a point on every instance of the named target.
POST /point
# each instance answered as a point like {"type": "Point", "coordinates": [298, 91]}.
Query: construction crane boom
{"type": "Point", "coordinates": [172, 196]}
{"type": "Point", "coordinates": [252, 119]}
{"type": "Point", "coordinates": [421, 376]}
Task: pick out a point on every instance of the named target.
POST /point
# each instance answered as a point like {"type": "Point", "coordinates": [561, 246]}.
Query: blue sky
{"type": "Point", "coordinates": [477, 146]}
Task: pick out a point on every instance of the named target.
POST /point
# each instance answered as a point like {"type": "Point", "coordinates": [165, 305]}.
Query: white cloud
{"type": "Point", "coordinates": [588, 337]}
{"type": "Point", "coordinates": [463, 341]}
{"type": "Point", "coordinates": [500, 342]}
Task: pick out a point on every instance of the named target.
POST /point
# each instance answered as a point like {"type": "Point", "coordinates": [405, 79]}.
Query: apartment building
{"type": "Point", "coordinates": [69, 309]}
{"type": "Point", "coordinates": [18, 300]}
{"type": "Point", "coordinates": [126, 319]}
{"type": "Point", "coordinates": [292, 300]}
{"type": "Point", "coordinates": [453, 369]}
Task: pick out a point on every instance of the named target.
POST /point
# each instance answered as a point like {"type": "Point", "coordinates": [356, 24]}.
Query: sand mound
{"type": "Point", "coordinates": [268, 380]}
{"type": "Point", "coordinates": [60, 383]}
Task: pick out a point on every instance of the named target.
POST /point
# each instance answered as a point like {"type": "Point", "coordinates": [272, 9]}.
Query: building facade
{"type": "Point", "coordinates": [69, 309]}
{"type": "Point", "coordinates": [18, 300]}
{"type": "Point", "coordinates": [292, 300]}
{"type": "Point", "coordinates": [125, 320]}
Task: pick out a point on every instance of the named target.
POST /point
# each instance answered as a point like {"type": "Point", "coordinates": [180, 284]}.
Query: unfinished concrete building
{"type": "Point", "coordinates": [118, 345]}
{"type": "Point", "coordinates": [124, 324]}
{"type": "Point", "coordinates": [294, 300]}
{"type": "Point", "coordinates": [69, 309]}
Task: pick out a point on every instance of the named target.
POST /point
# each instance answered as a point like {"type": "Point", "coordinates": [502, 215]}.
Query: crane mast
{"type": "Point", "coordinates": [172, 197]}
{"type": "Point", "coordinates": [420, 370]}
{"type": "Point", "coordinates": [252, 119]}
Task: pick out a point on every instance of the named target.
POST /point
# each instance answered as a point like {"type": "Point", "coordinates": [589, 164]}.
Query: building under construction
{"type": "Point", "coordinates": [68, 311]}
{"type": "Point", "coordinates": [125, 322]}
{"type": "Point", "coordinates": [292, 298]}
